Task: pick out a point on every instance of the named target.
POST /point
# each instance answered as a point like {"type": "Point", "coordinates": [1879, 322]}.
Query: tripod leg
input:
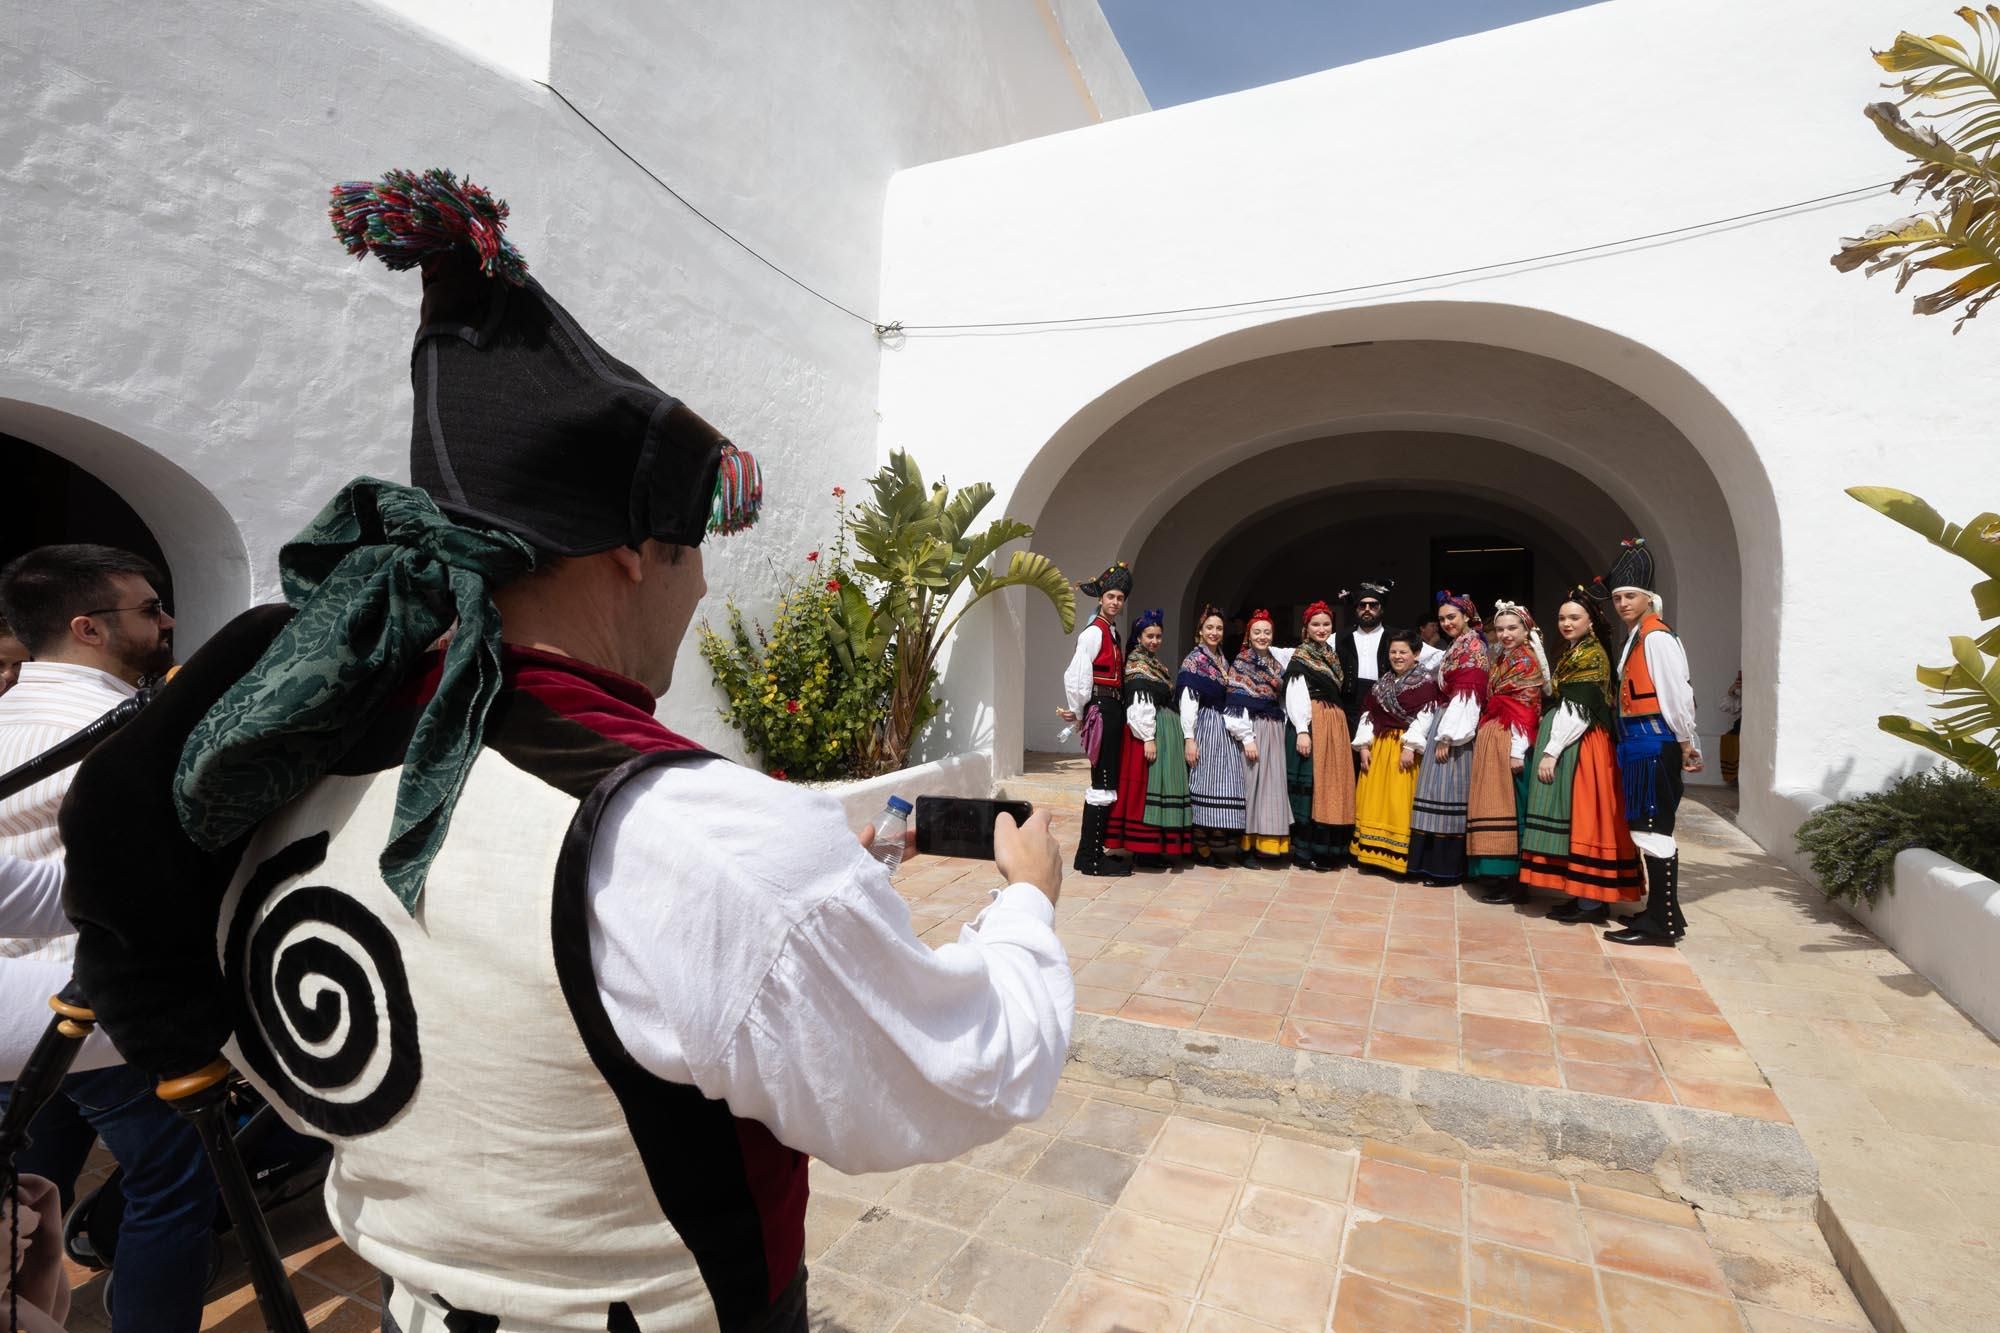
{"type": "Point", "coordinates": [203, 1099]}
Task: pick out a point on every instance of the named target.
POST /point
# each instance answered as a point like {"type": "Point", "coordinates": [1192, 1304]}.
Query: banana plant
{"type": "Point", "coordinates": [917, 547]}
{"type": "Point", "coordinates": [1951, 142]}
{"type": "Point", "coordinates": [1967, 729]}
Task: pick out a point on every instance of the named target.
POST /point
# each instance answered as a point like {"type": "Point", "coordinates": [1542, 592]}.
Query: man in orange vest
{"type": "Point", "coordinates": [1657, 740]}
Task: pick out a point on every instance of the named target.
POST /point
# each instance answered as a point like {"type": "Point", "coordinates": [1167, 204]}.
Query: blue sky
{"type": "Point", "coordinates": [1183, 50]}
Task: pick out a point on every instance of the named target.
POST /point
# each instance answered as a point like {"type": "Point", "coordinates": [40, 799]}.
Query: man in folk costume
{"type": "Point", "coordinates": [1319, 760]}
{"type": "Point", "coordinates": [571, 998]}
{"type": "Point", "coordinates": [1363, 648]}
{"type": "Point", "coordinates": [1094, 700]}
{"type": "Point", "coordinates": [1657, 740]}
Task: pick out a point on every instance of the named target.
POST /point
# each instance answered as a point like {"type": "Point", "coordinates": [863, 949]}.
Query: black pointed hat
{"type": "Point", "coordinates": [522, 421]}
{"type": "Point", "coordinates": [1632, 567]}
{"type": "Point", "coordinates": [1118, 578]}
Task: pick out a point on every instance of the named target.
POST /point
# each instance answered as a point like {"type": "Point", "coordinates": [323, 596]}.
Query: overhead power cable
{"type": "Point", "coordinates": [897, 327]}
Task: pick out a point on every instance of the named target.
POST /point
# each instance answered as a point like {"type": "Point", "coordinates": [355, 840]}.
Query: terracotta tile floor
{"type": "Point", "coordinates": [1119, 1213]}
{"type": "Point", "coordinates": [1361, 965]}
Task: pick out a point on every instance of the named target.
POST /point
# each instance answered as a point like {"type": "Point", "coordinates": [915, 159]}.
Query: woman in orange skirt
{"type": "Point", "coordinates": [1499, 794]}
{"type": "Point", "coordinates": [1319, 766]}
{"type": "Point", "coordinates": [1575, 840]}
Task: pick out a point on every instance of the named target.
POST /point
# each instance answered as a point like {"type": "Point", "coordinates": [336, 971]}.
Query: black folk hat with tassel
{"type": "Point", "coordinates": [523, 422]}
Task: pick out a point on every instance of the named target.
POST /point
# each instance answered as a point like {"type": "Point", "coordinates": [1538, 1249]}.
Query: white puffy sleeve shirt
{"type": "Point", "coordinates": [1142, 717]}
{"type": "Point", "coordinates": [781, 975]}
{"type": "Point", "coordinates": [1667, 660]}
{"type": "Point", "coordinates": [1077, 675]}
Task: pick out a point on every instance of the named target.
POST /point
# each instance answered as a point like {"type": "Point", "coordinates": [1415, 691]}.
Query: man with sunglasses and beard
{"type": "Point", "coordinates": [1363, 648]}
{"type": "Point", "coordinates": [96, 628]}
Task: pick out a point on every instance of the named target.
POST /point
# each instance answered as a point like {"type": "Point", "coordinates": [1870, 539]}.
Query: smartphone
{"type": "Point", "coordinates": [962, 826]}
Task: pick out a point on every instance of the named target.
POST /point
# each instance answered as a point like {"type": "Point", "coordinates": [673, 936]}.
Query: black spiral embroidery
{"type": "Point", "coordinates": [299, 987]}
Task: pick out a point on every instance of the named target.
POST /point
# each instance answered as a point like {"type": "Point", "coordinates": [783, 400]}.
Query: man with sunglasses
{"type": "Point", "coordinates": [1363, 648]}
{"type": "Point", "coordinates": [95, 627]}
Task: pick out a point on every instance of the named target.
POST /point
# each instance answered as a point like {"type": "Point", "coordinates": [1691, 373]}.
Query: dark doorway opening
{"type": "Point", "coordinates": [1484, 568]}
{"type": "Point", "coordinates": [48, 499]}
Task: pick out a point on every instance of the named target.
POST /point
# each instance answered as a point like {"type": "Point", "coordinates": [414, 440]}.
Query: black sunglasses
{"type": "Point", "coordinates": [150, 608]}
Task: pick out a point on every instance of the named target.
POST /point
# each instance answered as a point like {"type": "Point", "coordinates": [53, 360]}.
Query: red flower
{"type": "Point", "coordinates": [791, 705]}
{"type": "Point", "coordinates": [839, 491]}
{"type": "Point", "coordinates": [778, 773]}
{"type": "Point", "coordinates": [833, 585]}
{"type": "Point", "coordinates": [812, 557]}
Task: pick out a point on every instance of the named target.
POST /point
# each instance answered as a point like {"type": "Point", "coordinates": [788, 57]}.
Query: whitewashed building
{"type": "Point", "coordinates": [1538, 288]}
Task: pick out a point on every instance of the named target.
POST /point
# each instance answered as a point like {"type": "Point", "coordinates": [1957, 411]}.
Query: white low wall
{"type": "Point", "coordinates": [957, 775]}
{"type": "Point", "coordinates": [1944, 921]}
{"type": "Point", "coordinates": [1940, 918]}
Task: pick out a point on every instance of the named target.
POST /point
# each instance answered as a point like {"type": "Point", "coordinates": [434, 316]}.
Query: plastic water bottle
{"type": "Point", "coordinates": [888, 848]}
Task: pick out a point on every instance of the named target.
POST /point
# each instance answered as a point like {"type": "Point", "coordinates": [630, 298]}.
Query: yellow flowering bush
{"type": "Point", "coordinates": [803, 711]}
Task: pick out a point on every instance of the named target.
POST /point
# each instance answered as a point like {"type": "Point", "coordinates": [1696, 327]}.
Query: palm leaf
{"type": "Point", "coordinates": [1977, 543]}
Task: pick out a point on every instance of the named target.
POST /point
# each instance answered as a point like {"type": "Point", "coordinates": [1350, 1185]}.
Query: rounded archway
{"type": "Point", "coordinates": [132, 495]}
{"type": "Point", "coordinates": [1566, 435]}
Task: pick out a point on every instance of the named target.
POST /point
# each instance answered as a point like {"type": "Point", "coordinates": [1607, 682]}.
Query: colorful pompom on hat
{"type": "Point", "coordinates": [523, 422]}
{"type": "Point", "coordinates": [1118, 578]}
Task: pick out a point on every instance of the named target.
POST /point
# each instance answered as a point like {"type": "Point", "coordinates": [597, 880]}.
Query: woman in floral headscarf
{"type": "Point", "coordinates": [1499, 794]}
{"type": "Point", "coordinates": [1442, 734]}
{"type": "Point", "coordinates": [1215, 764]}
{"type": "Point", "coordinates": [1152, 817]}
{"type": "Point", "coordinates": [1575, 840]}
{"type": "Point", "coordinates": [1319, 767]}
{"type": "Point", "coordinates": [1256, 718]}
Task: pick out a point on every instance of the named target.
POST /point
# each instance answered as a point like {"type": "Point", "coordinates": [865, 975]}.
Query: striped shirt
{"type": "Point", "coordinates": [52, 702]}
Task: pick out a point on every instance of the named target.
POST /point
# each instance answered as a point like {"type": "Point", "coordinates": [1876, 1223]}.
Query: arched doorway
{"type": "Point", "coordinates": [83, 481]}
{"type": "Point", "coordinates": [1523, 421]}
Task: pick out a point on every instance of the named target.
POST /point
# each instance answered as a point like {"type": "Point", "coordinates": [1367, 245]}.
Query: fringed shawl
{"type": "Point", "coordinates": [1146, 675]}
{"type": "Point", "coordinates": [1255, 685]}
{"type": "Point", "coordinates": [1583, 677]}
{"type": "Point", "coordinates": [1466, 666]}
{"type": "Point", "coordinates": [1396, 700]}
{"type": "Point", "coordinates": [1315, 663]}
{"type": "Point", "coordinates": [1205, 676]}
{"type": "Point", "coordinates": [1514, 690]}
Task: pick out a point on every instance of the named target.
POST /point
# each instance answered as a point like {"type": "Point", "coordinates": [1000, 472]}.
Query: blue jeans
{"type": "Point", "coordinates": [165, 1238]}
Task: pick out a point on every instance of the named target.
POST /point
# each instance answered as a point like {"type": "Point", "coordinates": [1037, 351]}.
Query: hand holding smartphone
{"type": "Point", "coordinates": [962, 826]}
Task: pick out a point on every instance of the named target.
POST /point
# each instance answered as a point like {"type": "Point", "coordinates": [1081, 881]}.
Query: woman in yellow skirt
{"type": "Point", "coordinates": [1387, 787]}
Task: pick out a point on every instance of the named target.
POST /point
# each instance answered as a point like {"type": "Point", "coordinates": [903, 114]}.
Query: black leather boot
{"type": "Point", "coordinates": [1654, 923]}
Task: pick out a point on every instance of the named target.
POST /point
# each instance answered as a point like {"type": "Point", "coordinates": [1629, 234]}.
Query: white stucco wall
{"type": "Point", "coordinates": [164, 169]}
{"type": "Point", "coordinates": [1787, 380]}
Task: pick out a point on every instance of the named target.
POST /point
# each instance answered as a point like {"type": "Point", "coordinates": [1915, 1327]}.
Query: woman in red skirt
{"type": "Point", "coordinates": [1153, 818]}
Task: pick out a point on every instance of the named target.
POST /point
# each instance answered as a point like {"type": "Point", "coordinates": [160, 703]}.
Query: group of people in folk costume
{"type": "Point", "coordinates": [1479, 759]}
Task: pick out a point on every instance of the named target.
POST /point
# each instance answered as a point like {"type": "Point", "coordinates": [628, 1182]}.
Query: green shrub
{"type": "Point", "coordinates": [1853, 844]}
{"type": "Point", "coordinates": [808, 712]}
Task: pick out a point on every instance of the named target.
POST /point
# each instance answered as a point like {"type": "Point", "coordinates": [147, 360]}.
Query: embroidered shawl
{"type": "Point", "coordinates": [1514, 690]}
{"type": "Point", "coordinates": [1205, 676]}
{"type": "Point", "coordinates": [1583, 677]}
{"type": "Point", "coordinates": [1396, 700]}
{"type": "Point", "coordinates": [1146, 675]}
{"type": "Point", "coordinates": [1466, 666]}
{"type": "Point", "coordinates": [1254, 683]}
{"type": "Point", "coordinates": [1315, 663]}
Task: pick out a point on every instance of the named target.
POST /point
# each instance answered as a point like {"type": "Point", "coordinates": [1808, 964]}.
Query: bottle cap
{"type": "Point", "coordinates": [899, 805]}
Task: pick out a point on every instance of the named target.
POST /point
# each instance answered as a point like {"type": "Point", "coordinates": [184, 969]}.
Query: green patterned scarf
{"type": "Point", "coordinates": [375, 578]}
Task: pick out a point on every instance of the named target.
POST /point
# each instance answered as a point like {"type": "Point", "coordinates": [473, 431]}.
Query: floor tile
{"type": "Point", "coordinates": [1407, 1255]}
{"type": "Point", "coordinates": [1252, 997]}
{"type": "Point", "coordinates": [1502, 975]}
{"type": "Point", "coordinates": [901, 1253]}
{"type": "Point", "coordinates": [1174, 1192]}
{"type": "Point", "coordinates": [1163, 1013]}
{"type": "Point", "coordinates": [1527, 1067]}
{"type": "Point", "coordinates": [1403, 1050]}
{"type": "Point", "coordinates": [1185, 986]}
{"type": "Point", "coordinates": [1151, 1253]}
{"type": "Point", "coordinates": [1219, 1148]}
{"type": "Point", "coordinates": [1625, 1203]}
{"type": "Point", "coordinates": [1529, 1221]}
{"type": "Point", "coordinates": [1364, 1305]}
{"type": "Point", "coordinates": [1420, 990]}
{"type": "Point", "coordinates": [1240, 1023]}
{"type": "Point", "coordinates": [1415, 1196]}
{"type": "Point", "coordinates": [1332, 1007]}
{"type": "Point", "coordinates": [1427, 1021]}
{"type": "Point", "coordinates": [1044, 1221]}
{"type": "Point", "coordinates": [1310, 1168]}
{"type": "Point", "coordinates": [1339, 981]}
{"type": "Point", "coordinates": [1604, 1048]}
{"type": "Point", "coordinates": [1326, 1038]}
{"type": "Point", "coordinates": [1097, 1304]}
{"type": "Point", "coordinates": [1552, 1291]}
{"type": "Point", "coordinates": [1285, 1292]}
{"type": "Point", "coordinates": [1002, 1288]}
{"type": "Point", "coordinates": [1732, 1098]}
{"type": "Point", "coordinates": [1210, 963]}
{"type": "Point", "coordinates": [1293, 1223]}
{"type": "Point", "coordinates": [1081, 1168]}
{"type": "Point", "coordinates": [1638, 1306]}
{"type": "Point", "coordinates": [1500, 1002]}
{"type": "Point", "coordinates": [1565, 1012]}
{"type": "Point", "coordinates": [1128, 1129]}
{"type": "Point", "coordinates": [1614, 1081]}
{"type": "Point", "coordinates": [946, 1192]}
{"type": "Point", "coordinates": [1688, 1027]}
{"type": "Point", "coordinates": [1510, 1033]}
{"type": "Point", "coordinates": [1668, 1253]}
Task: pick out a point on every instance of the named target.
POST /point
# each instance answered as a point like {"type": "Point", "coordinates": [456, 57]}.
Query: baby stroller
{"type": "Point", "coordinates": [283, 1165]}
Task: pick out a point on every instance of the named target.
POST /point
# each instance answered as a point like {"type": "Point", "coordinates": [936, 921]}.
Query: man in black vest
{"type": "Point", "coordinates": [1363, 649]}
